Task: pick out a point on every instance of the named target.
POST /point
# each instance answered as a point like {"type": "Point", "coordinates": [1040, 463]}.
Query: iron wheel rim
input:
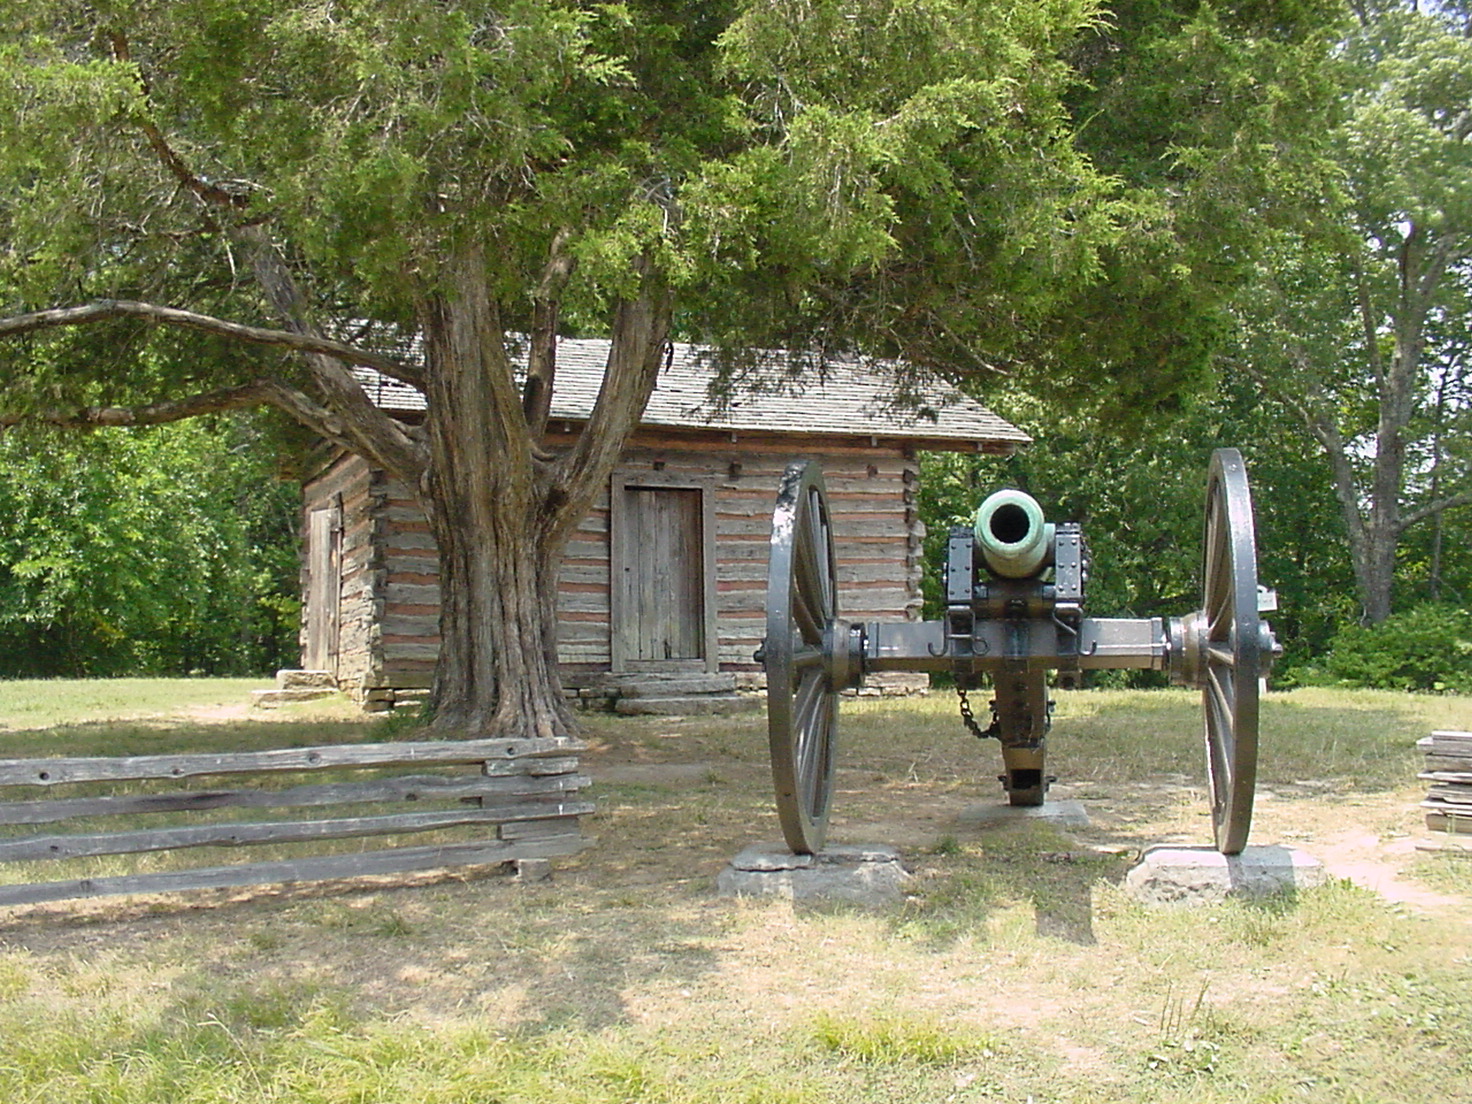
{"type": "Point", "coordinates": [802, 705]}
{"type": "Point", "coordinates": [1231, 660]}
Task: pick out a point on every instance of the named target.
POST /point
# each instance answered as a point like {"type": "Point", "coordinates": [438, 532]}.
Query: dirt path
{"type": "Point", "coordinates": [1379, 865]}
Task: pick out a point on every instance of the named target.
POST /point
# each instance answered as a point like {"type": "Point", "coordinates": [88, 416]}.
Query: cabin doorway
{"type": "Point", "coordinates": [663, 586]}
{"type": "Point", "coordinates": [324, 589]}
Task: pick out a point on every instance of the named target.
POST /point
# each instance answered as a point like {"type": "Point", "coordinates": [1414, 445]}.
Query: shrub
{"type": "Point", "coordinates": [1425, 648]}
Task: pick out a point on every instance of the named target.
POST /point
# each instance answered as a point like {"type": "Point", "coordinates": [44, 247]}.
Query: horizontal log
{"type": "Point", "coordinates": [413, 593]}
{"type": "Point", "coordinates": [399, 511]}
{"type": "Point", "coordinates": [404, 574]}
{"type": "Point", "coordinates": [1446, 742]}
{"type": "Point", "coordinates": [1450, 822]}
{"type": "Point", "coordinates": [586, 632]}
{"type": "Point", "coordinates": [397, 860]}
{"type": "Point", "coordinates": [875, 602]}
{"type": "Point", "coordinates": [590, 574]}
{"type": "Point", "coordinates": [400, 651]}
{"type": "Point", "coordinates": [405, 625]}
{"type": "Point", "coordinates": [532, 768]}
{"type": "Point", "coordinates": [753, 573]}
{"type": "Point", "coordinates": [735, 554]}
{"type": "Point", "coordinates": [420, 789]}
{"type": "Point", "coordinates": [586, 550]}
{"type": "Point", "coordinates": [40, 848]}
{"type": "Point", "coordinates": [526, 828]}
{"type": "Point", "coordinates": [1459, 777]}
{"type": "Point", "coordinates": [846, 527]}
{"type": "Point", "coordinates": [51, 772]}
{"type": "Point", "coordinates": [859, 500]}
{"type": "Point", "coordinates": [412, 542]}
{"type": "Point", "coordinates": [1458, 796]}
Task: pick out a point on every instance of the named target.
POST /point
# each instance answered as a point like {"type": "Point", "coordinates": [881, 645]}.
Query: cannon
{"type": "Point", "coordinates": [1014, 591]}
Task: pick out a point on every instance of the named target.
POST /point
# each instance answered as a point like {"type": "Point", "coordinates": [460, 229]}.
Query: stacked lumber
{"type": "Point", "coordinates": [1448, 802]}
{"type": "Point", "coordinates": [477, 802]}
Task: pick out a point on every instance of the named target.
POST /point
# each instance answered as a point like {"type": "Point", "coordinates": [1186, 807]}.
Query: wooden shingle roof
{"type": "Point", "coordinates": [848, 399]}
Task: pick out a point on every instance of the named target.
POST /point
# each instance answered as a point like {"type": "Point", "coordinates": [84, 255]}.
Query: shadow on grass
{"type": "Point", "coordinates": [963, 886]}
{"type": "Point", "coordinates": [532, 956]}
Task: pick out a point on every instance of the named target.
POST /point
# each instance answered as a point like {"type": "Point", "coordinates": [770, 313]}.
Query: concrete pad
{"type": "Point", "coordinates": [1203, 875]}
{"type": "Point", "coordinates": [870, 875]}
{"type": "Point", "coordinates": [1064, 814]}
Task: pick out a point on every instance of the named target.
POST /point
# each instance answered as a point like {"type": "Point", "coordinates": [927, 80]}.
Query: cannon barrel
{"type": "Point", "coordinates": [1014, 539]}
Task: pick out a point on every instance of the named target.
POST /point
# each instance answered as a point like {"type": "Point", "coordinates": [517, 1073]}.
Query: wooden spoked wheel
{"type": "Point", "coordinates": [1231, 640]}
{"type": "Point", "coordinates": [802, 629]}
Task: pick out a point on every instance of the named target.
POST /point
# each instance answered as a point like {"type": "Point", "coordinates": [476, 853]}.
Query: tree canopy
{"type": "Point", "coordinates": [207, 204]}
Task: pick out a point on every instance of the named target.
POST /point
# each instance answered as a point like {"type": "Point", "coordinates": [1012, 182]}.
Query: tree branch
{"type": "Point", "coordinates": [1451, 502]}
{"type": "Point", "coordinates": [261, 392]}
{"type": "Point", "coordinates": [257, 393]}
{"type": "Point", "coordinates": [536, 401]}
{"type": "Point", "coordinates": [366, 430]}
{"type": "Point", "coordinates": [639, 345]}
{"type": "Point", "coordinates": [210, 193]}
{"type": "Point", "coordinates": [171, 316]}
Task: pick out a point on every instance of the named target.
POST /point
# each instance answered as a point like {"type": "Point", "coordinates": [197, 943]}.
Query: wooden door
{"type": "Point", "coordinates": [324, 589]}
{"type": "Point", "coordinates": [662, 611]}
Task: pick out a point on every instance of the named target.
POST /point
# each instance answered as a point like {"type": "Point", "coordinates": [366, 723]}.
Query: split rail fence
{"type": "Point", "coordinates": [517, 800]}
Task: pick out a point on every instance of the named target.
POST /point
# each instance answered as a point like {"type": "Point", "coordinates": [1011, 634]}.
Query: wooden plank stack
{"type": "Point", "coordinates": [484, 801]}
{"type": "Point", "coordinates": [1448, 802]}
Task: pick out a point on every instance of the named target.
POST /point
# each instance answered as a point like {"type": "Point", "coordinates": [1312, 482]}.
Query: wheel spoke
{"type": "Point", "coordinates": [808, 619]}
{"type": "Point", "coordinates": [1221, 702]}
{"type": "Point", "coordinates": [803, 658]}
{"type": "Point", "coordinates": [810, 734]}
{"type": "Point", "coordinates": [1221, 657]}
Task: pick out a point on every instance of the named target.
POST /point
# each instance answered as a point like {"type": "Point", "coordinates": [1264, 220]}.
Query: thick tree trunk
{"type": "Point", "coordinates": [501, 510]}
{"type": "Point", "coordinates": [497, 670]}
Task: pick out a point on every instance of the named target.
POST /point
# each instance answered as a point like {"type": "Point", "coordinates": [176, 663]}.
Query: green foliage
{"type": "Point", "coordinates": [166, 551]}
{"type": "Point", "coordinates": [1428, 647]}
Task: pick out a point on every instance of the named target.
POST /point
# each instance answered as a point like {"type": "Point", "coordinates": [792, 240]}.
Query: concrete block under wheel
{"type": "Point", "coordinates": [1202, 875]}
{"type": "Point", "coordinates": [1064, 814]}
{"type": "Point", "coordinates": [870, 875]}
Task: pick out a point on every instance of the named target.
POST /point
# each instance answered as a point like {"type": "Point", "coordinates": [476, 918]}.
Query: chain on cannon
{"type": "Point", "coordinates": [1015, 598]}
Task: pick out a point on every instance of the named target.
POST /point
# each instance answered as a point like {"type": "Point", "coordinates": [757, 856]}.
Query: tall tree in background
{"type": "Point", "coordinates": [1356, 321]}
{"type": "Point", "coordinates": [209, 204]}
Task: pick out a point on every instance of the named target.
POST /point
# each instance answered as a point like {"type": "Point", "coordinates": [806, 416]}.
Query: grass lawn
{"type": "Point", "coordinates": [1018, 970]}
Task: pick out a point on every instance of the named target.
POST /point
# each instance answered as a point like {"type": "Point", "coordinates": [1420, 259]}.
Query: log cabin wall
{"type": "Point", "coordinates": [876, 525]}
{"type": "Point", "coordinates": [389, 629]}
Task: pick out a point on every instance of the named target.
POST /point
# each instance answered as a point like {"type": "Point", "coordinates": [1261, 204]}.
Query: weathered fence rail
{"type": "Point", "coordinates": [518, 797]}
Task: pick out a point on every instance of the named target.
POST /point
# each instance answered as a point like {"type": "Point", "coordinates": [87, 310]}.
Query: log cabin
{"type": "Point", "coordinates": [665, 578]}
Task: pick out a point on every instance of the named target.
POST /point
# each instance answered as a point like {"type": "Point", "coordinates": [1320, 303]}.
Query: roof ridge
{"type": "Point", "coordinates": [861, 401]}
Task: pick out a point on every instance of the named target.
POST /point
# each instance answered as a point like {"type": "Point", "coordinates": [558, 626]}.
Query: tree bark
{"type": "Point", "coordinates": [501, 511]}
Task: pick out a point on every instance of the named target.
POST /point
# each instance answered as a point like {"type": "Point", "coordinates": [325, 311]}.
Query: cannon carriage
{"type": "Point", "coordinates": [1015, 615]}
